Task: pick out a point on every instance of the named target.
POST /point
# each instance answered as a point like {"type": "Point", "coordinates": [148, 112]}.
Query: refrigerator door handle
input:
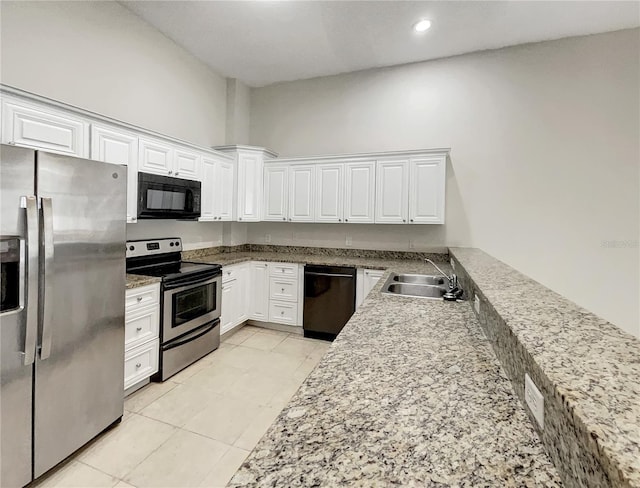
{"type": "Point", "coordinates": [30, 204]}
{"type": "Point", "coordinates": [47, 275]}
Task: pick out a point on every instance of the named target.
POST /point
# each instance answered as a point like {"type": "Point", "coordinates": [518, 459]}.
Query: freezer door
{"type": "Point", "coordinates": [17, 173]}
{"type": "Point", "coordinates": [79, 371]}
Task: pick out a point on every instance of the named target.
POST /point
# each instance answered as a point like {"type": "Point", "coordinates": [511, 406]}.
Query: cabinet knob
{"type": "Point", "coordinates": [239, 218]}
{"type": "Point", "coordinates": [283, 290]}
{"type": "Point", "coordinates": [411, 220]}
{"type": "Point", "coordinates": [11, 143]}
{"type": "Point", "coordinates": [404, 220]}
{"type": "Point", "coordinates": [346, 220]}
{"type": "Point", "coordinates": [138, 365]}
{"type": "Point", "coordinates": [289, 219]}
{"type": "Point", "coordinates": [339, 220]}
{"type": "Point", "coordinates": [283, 270]}
{"type": "Point", "coordinates": [284, 218]}
{"type": "Point", "coordinates": [265, 265]}
{"type": "Point", "coordinates": [170, 172]}
{"type": "Point", "coordinates": [282, 312]}
{"type": "Point", "coordinates": [138, 329]}
{"type": "Point", "coordinates": [139, 299]}
{"type": "Point", "coordinates": [177, 173]}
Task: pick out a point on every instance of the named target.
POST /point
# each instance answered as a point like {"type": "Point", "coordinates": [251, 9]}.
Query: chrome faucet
{"type": "Point", "coordinates": [455, 291]}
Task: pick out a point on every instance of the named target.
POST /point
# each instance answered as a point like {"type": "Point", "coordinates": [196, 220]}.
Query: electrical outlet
{"type": "Point", "coordinates": [476, 304]}
{"type": "Point", "coordinates": [267, 238]}
{"type": "Point", "coordinates": [348, 241]}
{"type": "Point", "coordinates": [534, 400]}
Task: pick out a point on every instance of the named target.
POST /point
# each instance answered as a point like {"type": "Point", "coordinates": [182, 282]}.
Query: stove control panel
{"type": "Point", "coordinates": [153, 246]}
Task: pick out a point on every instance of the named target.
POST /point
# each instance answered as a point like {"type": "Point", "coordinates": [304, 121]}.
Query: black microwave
{"type": "Point", "coordinates": [163, 197]}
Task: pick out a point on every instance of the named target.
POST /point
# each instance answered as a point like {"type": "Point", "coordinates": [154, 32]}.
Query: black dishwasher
{"type": "Point", "coordinates": [329, 300]}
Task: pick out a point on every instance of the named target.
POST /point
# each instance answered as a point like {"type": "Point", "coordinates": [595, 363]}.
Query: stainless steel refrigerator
{"type": "Point", "coordinates": [62, 249]}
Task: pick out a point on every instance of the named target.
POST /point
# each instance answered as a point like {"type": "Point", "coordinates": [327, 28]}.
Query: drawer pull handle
{"type": "Point", "coordinates": [139, 299]}
{"type": "Point", "coordinates": [283, 290]}
{"type": "Point", "coordinates": [138, 365]}
{"type": "Point", "coordinates": [177, 173]}
{"type": "Point", "coordinates": [138, 329]}
{"type": "Point", "coordinates": [282, 312]}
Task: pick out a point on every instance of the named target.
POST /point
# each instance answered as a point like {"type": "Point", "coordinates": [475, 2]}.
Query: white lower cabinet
{"type": "Point", "coordinates": [141, 333]}
{"type": "Point", "coordinates": [285, 292]}
{"type": "Point", "coordinates": [366, 279]}
{"type": "Point", "coordinates": [235, 300]}
{"type": "Point", "coordinates": [259, 291]}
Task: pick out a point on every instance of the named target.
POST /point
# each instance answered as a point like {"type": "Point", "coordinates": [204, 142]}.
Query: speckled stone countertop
{"type": "Point", "coordinates": [134, 281]}
{"type": "Point", "coordinates": [409, 394]}
{"type": "Point", "coordinates": [591, 366]}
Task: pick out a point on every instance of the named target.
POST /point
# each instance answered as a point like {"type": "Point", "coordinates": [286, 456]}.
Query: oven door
{"type": "Point", "coordinates": [162, 197]}
{"type": "Point", "coordinates": [190, 306]}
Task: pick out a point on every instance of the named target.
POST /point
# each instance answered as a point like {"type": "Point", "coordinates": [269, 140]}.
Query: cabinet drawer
{"type": "Point", "coordinates": [285, 289]}
{"type": "Point", "coordinates": [142, 297]}
{"type": "Point", "coordinates": [290, 270]}
{"type": "Point", "coordinates": [141, 326]}
{"type": "Point", "coordinates": [140, 363]}
{"type": "Point", "coordinates": [283, 312]}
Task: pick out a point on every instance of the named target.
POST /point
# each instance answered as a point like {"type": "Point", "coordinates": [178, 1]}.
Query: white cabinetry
{"type": "Point", "coordinates": [259, 291]}
{"type": "Point", "coordinates": [234, 302]}
{"type": "Point", "coordinates": [217, 189]}
{"type": "Point", "coordinates": [366, 279]}
{"type": "Point", "coordinates": [392, 185]}
{"type": "Point", "coordinates": [285, 303]}
{"type": "Point", "coordinates": [329, 193]}
{"type": "Point", "coordinates": [43, 127]}
{"type": "Point", "coordinates": [276, 192]}
{"type": "Point", "coordinates": [359, 194]}
{"type": "Point", "coordinates": [141, 326]}
{"type": "Point", "coordinates": [301, 193]}
{"type": "Point", "coordinates": [164, 158]}
{"type": "Point", "coordinates": [427, 190]}
{"type": "Point", "coordinates": [117, 146]}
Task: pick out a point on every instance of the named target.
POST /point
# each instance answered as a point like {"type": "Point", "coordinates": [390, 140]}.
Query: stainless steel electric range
{"type": "Point", "coordinates": [189, 301]}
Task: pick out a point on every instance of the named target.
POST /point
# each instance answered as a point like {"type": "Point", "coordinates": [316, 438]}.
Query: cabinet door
{"type": "Point", "coordinates": [359, 197]}
{"type": "Point", "coordinates": [155, 157]}
{"type": "Point", "coordinates": [392, 181]}
{"type": "Point", "coordinates": [301, 193]}
{"type": "Point", "coordinates": [329, 193]}
{"type": "Point", "coordinates": [427, 190]}
{"type": "Point", "coordinates": [116, 146]}
{"type": "Point", "coordinates": [243, 300]}
{"type": "Point", "coordinates": [30, 125]}
{"type": "Point", "coordinates": [276, 184]}
{"type": "Point", "coordinates": [209, 190]}
{"type": "Point", "coordinates": [259, 291]}
{"type": "Point", "coordinates": [249, 186]}
{"type": "Point", "coordinates": [229, 310]}
{"type": "Point", "coordinates": [224, 189]}
{"type": "Point", "coordinates": [187, 164]}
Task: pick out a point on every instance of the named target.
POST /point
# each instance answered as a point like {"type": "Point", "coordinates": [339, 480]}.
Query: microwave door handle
{"type": "Point", "coordinates": [47, 296]}
{"type": "Point", "coordinates": [30, 204]}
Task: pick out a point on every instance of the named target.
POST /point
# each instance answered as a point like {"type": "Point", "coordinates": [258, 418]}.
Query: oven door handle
{"type": "Point", "coordinates": [192, 336]}
{"type": "Point", "coordinates": [183, 285]}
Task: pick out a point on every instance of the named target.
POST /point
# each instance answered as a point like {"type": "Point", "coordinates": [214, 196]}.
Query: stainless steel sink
{"type": "Point", "coordinates": [419, 279]}
{"type": "Point", "coordinates": [415, 285]}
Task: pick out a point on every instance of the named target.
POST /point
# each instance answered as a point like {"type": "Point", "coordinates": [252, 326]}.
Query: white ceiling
{"type": "Point", "coordinates": [263, 42]}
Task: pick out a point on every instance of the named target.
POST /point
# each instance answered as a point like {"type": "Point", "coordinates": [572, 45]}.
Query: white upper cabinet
{"type": "Point", "coordinates": [224, 189]}
{"type": "Point", "coordinates": [427, 190]}
{"type": "Point", "coordinates": [207, 199]}
{"type": "Point", "coordinates": [392, 184]}
{"type": "Point", "coordinates": [217, 189]}
{"type": "Point", "coordinates": [42, 127]}
{"type": "Point", "coordinates": [187, 164]}
{"type": "Point", "coordinates": [276, 186]}
{"type": "Point", "coordinates": [250, 166]}
{"type": "Point", "coordinates": [329, 193]}
{"type": "Point", "coordinates": [155, 157]}
{"type": "Point", "coordinates": [117, 146]}
{"type": "Point", "coordinates": [301, 193]}
{"type": "Point", "coordinates": [359, 192]}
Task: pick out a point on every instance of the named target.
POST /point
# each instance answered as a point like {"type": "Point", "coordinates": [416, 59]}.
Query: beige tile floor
{"type": "Point", "coordinates": [197, 428]}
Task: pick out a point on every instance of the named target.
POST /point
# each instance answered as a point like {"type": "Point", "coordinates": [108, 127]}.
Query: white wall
{"type": "Point", "coordinates": [238, 112]}
{"type": "Point", "coordinates": [195, 235]}
{"type": "Point", "coordinates": [544, 163]}
{"type": "Point", "coordinates": [99, 56]}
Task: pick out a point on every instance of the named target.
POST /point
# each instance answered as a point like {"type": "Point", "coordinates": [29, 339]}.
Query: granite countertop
{"type": "Point", "coordinates": [591, 366]}
{"type": "Point", "coordinates": [134, 281]}
{"type": "Point", "coordinates": [409, 394]}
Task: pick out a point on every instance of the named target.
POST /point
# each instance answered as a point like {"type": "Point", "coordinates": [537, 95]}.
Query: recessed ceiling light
{"type": "Point", "coordinates": [422, 25]}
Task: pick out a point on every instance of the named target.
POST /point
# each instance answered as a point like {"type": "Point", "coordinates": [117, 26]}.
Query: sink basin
{"type": "Point", "coordinates": [416, 285]}
{"type": "Point", "coordinates": [420, 279]}
{"type": "Point", "coordinates": [415, 290]}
